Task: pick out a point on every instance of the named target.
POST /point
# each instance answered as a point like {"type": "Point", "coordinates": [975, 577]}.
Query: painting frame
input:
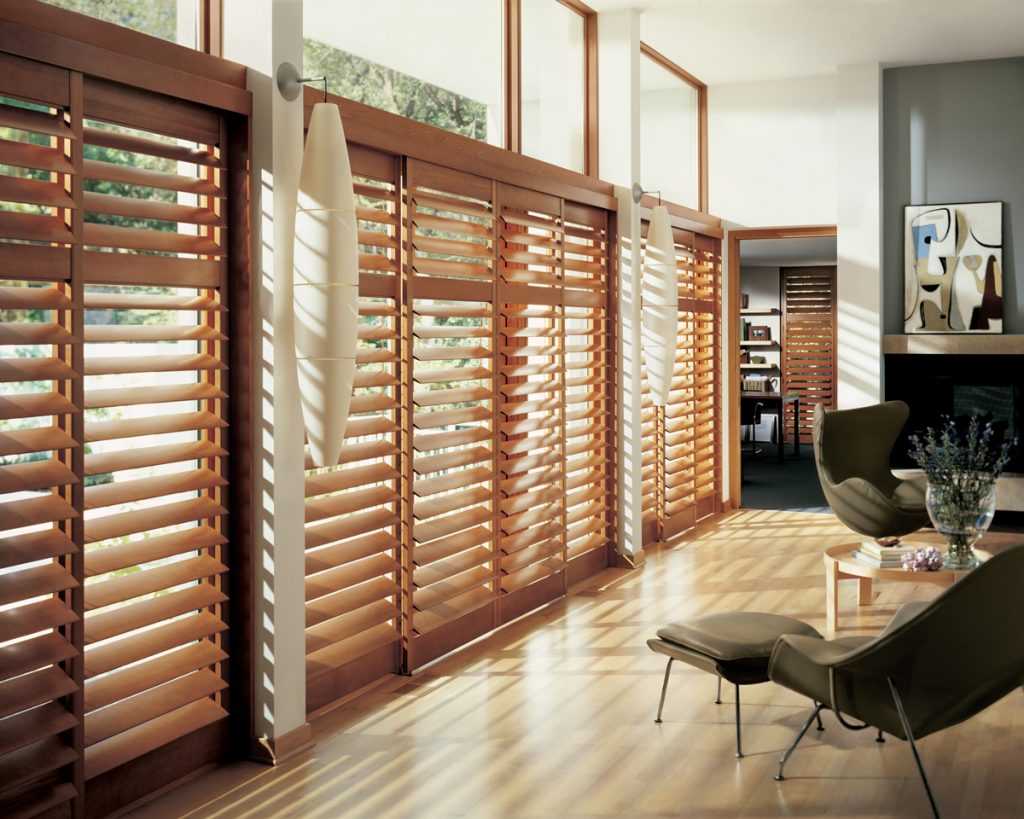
{"type": "Point", "coordinates": [953, 268]}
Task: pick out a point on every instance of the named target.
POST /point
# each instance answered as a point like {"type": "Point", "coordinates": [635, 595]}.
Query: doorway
{"type": "Point", "coordinates": [783, 345]}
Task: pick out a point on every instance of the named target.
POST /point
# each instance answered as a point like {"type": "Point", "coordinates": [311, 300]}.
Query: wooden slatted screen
{"type": "Point", "coordinates": [155, 359]}
{"type": "Point", "coordinates": [532, 513]}
{"type": "Point", "coordinates": [685, 473]}
{"type": "Point", "coordinates": [353, 621]}
{"type": "Point", "coordinates": [651, 435]}
{"type": "Point", "coordinates": [808, 343]}
{"type": "Point", "coordinates": [40, 445]}
{"type": "Point", "coordinates": [450, 557]}
{"type": "Point", "coordinates": [707, 333]}
{"type": "Point", "coordinates": [114, 448]}
{"type": "Point", "coordinates": [589, 448]}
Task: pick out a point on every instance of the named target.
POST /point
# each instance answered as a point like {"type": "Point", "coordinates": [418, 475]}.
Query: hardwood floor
{"type": "Point", "coordinates": [554, 716]}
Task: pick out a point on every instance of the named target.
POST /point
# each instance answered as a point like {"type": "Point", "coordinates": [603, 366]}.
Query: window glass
{"type": "Point", "coordinates": [668, 133]}
{"type": "Point", "coordinates": [553, 83]}
{"type": "Point", "coordinates": [173, 20]}
{"type": "Point", "coordinates": [438, 63]}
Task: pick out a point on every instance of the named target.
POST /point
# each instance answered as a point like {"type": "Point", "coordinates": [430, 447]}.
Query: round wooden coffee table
{"type": "Point", "coordinates": [840, 564]}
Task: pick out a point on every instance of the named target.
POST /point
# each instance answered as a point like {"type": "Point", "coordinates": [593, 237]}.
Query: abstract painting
{"type": "Point", "coordinates": [954, 268]}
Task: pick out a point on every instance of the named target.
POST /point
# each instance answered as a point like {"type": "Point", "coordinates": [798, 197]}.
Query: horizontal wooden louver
{"type": "Point", "coordinates": [452, 461]}
{"type": "Point", "coordinates": [531, 428]}
{"type": "Point", "coordinates": [706, 366]}
{"type": "Point", "coordinates": [587, 410]}
{"type": "Point", "coordinates": [39, 447]}
{"type": "Point", "coordinates": [353, 616]}
{"type": "Point", "coordinates": [685, 476]}
{"type": "Point", "coordinates": [808, 343]}
{"type": "Point", "coordinates": [651, 446]}
{"type": "Point", "coordinates": [155, 407]}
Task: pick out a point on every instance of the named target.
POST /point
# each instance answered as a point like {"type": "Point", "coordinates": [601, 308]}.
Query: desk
{"type": "Point", "coordinates": [776, 402]}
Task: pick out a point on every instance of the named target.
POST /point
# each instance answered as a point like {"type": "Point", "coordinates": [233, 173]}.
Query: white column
{"type": "Point", "coordinates": [618, 39]}
{"type": "Point", "coordinates": [279, 654]}
{"type": "Point", "coordinates": [859, 245]}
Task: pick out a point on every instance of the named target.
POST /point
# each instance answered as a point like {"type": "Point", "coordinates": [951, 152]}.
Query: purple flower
{"type": "Point", "coordinates": [927, 559]}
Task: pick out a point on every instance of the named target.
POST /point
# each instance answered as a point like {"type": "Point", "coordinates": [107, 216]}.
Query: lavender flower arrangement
{"type": "Point", "coordinates": [962, 465]}
{"type": "Point", "coordinates": [926, 559]}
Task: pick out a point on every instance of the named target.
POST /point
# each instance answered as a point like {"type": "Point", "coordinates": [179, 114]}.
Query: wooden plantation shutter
{"type": "Point", "coordinates": [652, 435]}
{"type": "Point", "coordinates": [686, 462]}
{"type": "Point", "coordinates": [40, 442]}
{"type": "Point", "coordinates": [532, 511]}
{"type": "Point", "coordinates": [156, 351]}
{"type": "Point", "coordinates": [589, 444]}
{"type": "Point", "coordinates": [353, 622]}
{"type": "Point", "coordinates": [808, 342]}
{"type": "Point", "coordinates": [679, 509]}
{"type": "Point", "coordinates": [449, 540]}
{"type": "Point", "coordinates": [707, 374]}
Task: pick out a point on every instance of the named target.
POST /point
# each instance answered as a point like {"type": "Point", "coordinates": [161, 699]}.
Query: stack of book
{"type": "Point", "coordinates": [882, 557]}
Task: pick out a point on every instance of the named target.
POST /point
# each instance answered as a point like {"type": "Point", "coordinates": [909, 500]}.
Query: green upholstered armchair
{"type": "Point", "coordinates": [851, 451]}
{"type": "Point", "coordinates": [935, 665]}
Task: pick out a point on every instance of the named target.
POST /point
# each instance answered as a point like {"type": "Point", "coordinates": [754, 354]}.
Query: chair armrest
{"type": "Point", "coordinates": [802, 664]}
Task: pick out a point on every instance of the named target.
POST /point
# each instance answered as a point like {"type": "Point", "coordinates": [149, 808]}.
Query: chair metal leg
{"type": "Point", "coordinates": [739, 742]}
{"type": "Point", "coordinates": [718, 696]}
{"type": "Point", "coordinates": [913, 746]}
{"type": "Point", "coordinates": [880, 737]}
{"type": "Point", "coordinates": [821, 726]}
{"type": "Point", "coordinates": [664, 689]}
{"type": "Point", "coordinates": [800, 735]}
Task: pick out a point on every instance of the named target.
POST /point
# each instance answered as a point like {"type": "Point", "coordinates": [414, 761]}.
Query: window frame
{"type": "Point", "coordinates": [513, 80]}
{"type": "Point", "coordinates": [702, 117]}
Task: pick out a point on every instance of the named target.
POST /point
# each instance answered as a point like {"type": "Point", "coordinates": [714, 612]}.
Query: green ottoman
{"type": "Point", "coordinates": [733, 645]}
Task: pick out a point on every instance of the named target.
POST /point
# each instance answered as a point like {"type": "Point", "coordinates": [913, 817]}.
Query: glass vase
{"type": "Point", "coordinates": [961, 513]}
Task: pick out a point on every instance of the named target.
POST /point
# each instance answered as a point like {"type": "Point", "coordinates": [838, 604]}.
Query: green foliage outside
{"type": "Point", "coordinates": [156, 17]}
{"type": "Point", "coordinates": [390, 90]}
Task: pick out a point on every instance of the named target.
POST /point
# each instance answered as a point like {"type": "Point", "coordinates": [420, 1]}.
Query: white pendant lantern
{"type": "Point", "coordinates": [326, 286]}
{"type": "Point", "coordinates": [660, 304]}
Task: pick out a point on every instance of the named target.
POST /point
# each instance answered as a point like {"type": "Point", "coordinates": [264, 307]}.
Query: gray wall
{"type": "Point", "coordinates": [953, 133]}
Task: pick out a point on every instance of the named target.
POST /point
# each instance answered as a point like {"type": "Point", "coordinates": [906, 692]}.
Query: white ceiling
{"type": "Point", "coordinates": [788, 252]}
{"type": "Point", "coordinates": [724, 41]}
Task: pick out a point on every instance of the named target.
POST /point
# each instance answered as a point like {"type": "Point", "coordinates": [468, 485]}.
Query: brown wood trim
{"type": "Point", "coordinates": [211, 27]}
{"type": "Point", "coordinates": [135, 782]}
{"type": "Point", "coordinates": [243, 379]}
{"type": "Point", "coordinates": [702, 149]}
{"type": "Point", "coordinates": [395, 134]}
{"type": "Point", "coordinates": [732, 354]}
{"type": "Point", "coordinates": [513, 76]}
{"type": "Point", "coordinates": [278, 750]}
{"type": "Point", "coordinates": [702, 118]}
{"type": "Point", "coordinates": [591, 123]}
{"type": "Point", "coordinates": [96, 48]}
{"type": "Point", "coordinates": [683, 217]}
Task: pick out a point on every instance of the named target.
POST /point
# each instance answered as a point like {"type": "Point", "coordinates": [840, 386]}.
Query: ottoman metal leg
{"type": "Point", "coordinates": [718, 696]}
{"type": "Point", "coordinates": [664, 689]}
{"type": "Point", "coordinates": [739, 743]}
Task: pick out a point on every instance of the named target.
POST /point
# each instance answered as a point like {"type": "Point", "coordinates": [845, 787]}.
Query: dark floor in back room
{"type": "Point", "coordinates": [792, 484]}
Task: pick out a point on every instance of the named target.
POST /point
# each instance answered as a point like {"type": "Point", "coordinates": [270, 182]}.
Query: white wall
{"type": "Point", "coordinates": [772, 151]}
{"type": "Point", "coordinates": [261, 34]}
{"type": "Point", "coordinates": [859, 240]}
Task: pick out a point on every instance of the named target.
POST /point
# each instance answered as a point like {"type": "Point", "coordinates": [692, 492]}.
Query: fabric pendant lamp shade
{"type": "Point", "coordinates": [660, 305]}
{"type": "Point", "coordinates": [326, 285]}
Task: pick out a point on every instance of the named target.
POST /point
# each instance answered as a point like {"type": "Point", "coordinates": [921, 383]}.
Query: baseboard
{"type": "Point", "coordinates": [633, 561]}
{"type": "Point", "coordinates": [280, 749]}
